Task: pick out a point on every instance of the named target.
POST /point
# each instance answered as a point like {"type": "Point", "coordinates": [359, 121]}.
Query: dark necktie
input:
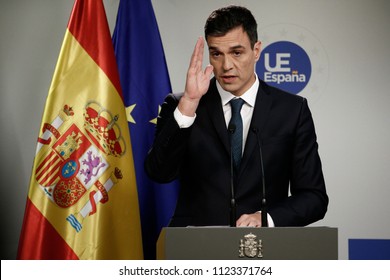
{"type": "Point", "coordinates": [236, 136]}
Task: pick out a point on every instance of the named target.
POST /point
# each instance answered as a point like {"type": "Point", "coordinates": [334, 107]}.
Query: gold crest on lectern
{"type": "Point", "coordinates": [251, 247]}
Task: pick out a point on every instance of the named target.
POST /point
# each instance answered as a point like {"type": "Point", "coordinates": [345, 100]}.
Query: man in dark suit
{"type": "Point", "coordinates": [194, 138]}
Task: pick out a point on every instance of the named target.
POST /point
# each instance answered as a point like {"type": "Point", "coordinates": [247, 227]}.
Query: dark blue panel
{"type": "Point", "coordinates": [369, 249]}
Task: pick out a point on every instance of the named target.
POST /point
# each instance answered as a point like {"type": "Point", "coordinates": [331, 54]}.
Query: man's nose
{"type": "Point", "coordinates": [227, 63]}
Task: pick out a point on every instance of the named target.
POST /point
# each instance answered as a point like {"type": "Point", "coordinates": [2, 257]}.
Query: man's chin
{"type": "Point", "coordinates": [232, 88]}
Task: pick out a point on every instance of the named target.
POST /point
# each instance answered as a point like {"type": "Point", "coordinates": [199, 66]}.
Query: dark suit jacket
{"type": "Point", "coordinates": [200, 157]}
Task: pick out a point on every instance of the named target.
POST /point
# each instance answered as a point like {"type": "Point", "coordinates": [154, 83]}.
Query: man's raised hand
{"type": "Point", "coordinates": [198, 81]}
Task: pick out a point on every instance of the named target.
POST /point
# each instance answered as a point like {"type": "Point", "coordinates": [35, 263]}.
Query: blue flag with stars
{"type": "Point", "coordinates": [145, 83]}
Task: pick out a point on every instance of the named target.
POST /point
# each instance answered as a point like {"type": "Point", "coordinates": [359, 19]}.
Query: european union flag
{"type": "Point", "coordinates": [145, 82]}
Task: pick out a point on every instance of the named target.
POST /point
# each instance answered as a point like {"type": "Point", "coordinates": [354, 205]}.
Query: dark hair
{"type": "Point", "coordinates": [225, 19]}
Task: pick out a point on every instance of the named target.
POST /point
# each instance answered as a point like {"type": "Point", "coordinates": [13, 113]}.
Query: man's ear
{"type": "Point", "coordinates": [257, 50]}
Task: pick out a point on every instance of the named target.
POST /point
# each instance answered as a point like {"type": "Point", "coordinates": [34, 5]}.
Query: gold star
{"type": "Point", "coordinates": [155, 119]}
{"type": "Point", "coordinates": [128, 113]}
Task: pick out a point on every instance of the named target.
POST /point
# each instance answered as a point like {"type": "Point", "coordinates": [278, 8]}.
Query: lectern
{"type": "Point", "coordinates": [229, 243]}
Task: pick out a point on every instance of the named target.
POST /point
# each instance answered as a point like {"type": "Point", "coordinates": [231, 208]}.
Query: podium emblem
{"type": "Point", "coordinates": [251, 247]}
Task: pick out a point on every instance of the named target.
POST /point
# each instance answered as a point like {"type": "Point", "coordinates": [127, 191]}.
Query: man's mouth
{"type": "Point", "coordinates": [228, 79]}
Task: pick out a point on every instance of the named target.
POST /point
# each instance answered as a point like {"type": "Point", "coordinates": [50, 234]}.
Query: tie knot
{"type": "Point", "coordinates": [236, 104]}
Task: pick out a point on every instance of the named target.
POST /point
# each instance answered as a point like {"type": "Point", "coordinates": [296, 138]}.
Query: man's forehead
{"type": "Point", "coordinates": [234, 47]}
{"type": "Point", "coordinates": [234, 39]}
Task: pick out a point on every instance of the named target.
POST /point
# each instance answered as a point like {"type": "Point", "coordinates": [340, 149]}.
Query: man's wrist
{"type": "Point", "coordinates": [188, 106]}
{"type": "Point", "coordinates": [182, 120]}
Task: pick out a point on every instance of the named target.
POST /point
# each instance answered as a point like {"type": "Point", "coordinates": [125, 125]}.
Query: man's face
{"type": "Point", "coordinates": [233, 60]}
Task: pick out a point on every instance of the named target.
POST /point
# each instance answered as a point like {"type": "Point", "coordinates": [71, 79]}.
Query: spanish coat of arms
{"type": "Point", "coordinates": [72, 159]}
{"type": "Point", "coordinates": [251, 247]}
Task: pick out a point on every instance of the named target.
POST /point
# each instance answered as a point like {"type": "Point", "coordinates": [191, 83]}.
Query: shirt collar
{"type": "Point", "coordinates": [249, 96]}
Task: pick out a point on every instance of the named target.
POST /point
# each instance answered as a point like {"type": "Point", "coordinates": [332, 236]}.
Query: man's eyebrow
{"type": "Point", "coordinates": [213, 48]}
{"type": "Point", "coordinates": [237, 47]}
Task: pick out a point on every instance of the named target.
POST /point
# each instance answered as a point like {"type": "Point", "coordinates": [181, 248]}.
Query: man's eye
{"type": "Point", "coordinates": [215, 54]}
{"type": "Point", "coordinates": [237, 53]}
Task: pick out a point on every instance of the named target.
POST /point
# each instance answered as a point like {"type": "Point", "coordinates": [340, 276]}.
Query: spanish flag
{"type": "Point", "coordinates": [82, 201]}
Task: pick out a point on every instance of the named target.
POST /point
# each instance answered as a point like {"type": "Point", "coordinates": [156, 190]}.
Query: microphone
{"type": "Point", "coordinates": [232, 129]}
{"type": "Point", "coordinates": [264, 218]}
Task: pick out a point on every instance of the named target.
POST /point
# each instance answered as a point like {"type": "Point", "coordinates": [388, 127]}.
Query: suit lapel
{"type": "Point", "coordinates": [259, 118]}
{"type": "Point", "coordinates": [214, 109]}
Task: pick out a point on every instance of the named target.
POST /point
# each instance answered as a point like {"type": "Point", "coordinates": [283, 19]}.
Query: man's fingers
{"type": "Point", "coordinates": [197, 55]}
{"type": "Point", "coordinates": [200, 51]}
{"type": "Point", "coordinates": [249, 220]}
{"type": "Point", "coordinates": [208, 70]}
